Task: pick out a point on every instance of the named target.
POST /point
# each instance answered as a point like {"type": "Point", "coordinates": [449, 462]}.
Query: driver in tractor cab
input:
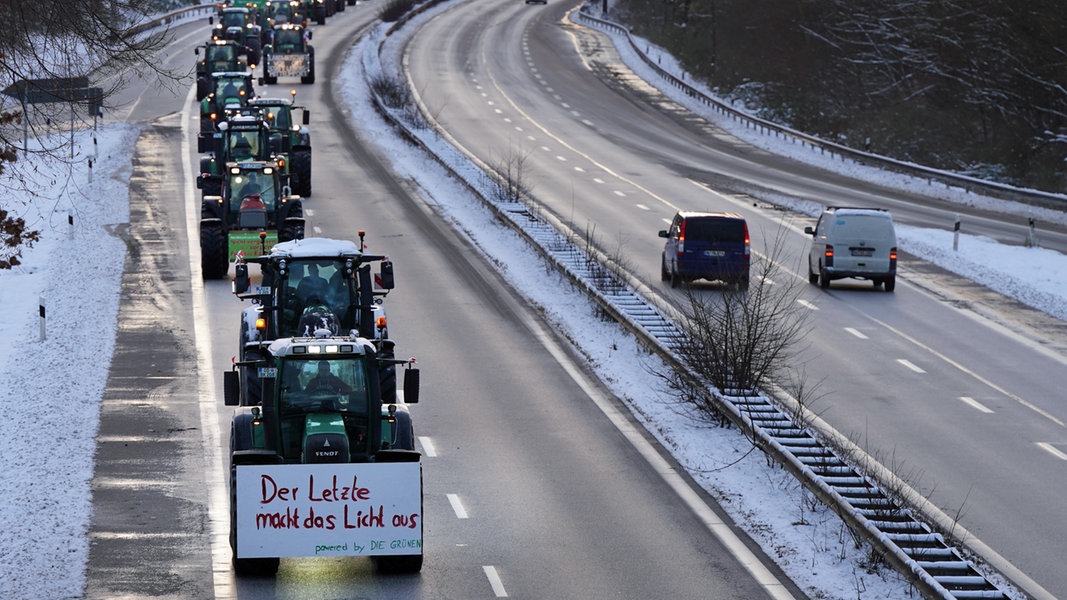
{"type": "Point", "coordinates": [312, 288]}
{"type": "Point", "coordinates": [326, 382]}
{"type": "Point", "coordinates": [242, 148]}
{"type": "Point", "coordinates": [247, 195]}
{"type": "Point", "coordinates": [229, 91]}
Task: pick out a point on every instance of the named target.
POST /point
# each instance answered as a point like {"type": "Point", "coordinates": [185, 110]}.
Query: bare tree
{"type": "Point", "coordinates": [65, 40]}
{"type": "Point", "coordinates": [739, 339]}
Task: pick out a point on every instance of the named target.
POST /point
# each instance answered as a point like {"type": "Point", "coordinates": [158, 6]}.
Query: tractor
{"type": "Point", "coordinates": [239, 138]}
{"type": "Point", "coordinates": [230, 90]}
{"type": "Point", "coordinates": [325, 464]}
{"type": "Point", "coordinates": [254, 212]}
{"type": "Point", "coordinates": [314, 283]}
{"type": "Point", "coordinates": [218, 55]}
{"type": "Point", "coordinates": [288, 138]}
{"type": "Point", "coordinates": [238, 24]}
{"type": "Point", "coordinates": [289, 54]}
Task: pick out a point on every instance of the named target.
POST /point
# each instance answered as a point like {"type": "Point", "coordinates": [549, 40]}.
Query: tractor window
{"type": "Point", "coordinates": [316, 385]}
{"type": "Point", "coordinates": [287, 39]}
{"type": "Point", "coordinates": [279, 118]}
{"type": "Point", "coordinates": [244, 185]}
{"type": "Point", "coordinates": [233, 20]}
{"type": "Point", "coordinates": [321, 285]}
{"type": "Point", "coordinates": [220, 53]}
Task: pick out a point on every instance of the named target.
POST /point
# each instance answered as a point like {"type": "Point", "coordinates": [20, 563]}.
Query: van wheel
{"type": "Point", "coordinates": [890, 284]}
{"type": "Point", "coordinates": [813, 278]}
{"type": "Point", "coordinates": [663, 274]}
{"type": "Point", "coordinates": [742, 284]}
{"type": "Point", "coordinates": [824, 280]}
{"type": "Point", "coordinates": [676, 279]}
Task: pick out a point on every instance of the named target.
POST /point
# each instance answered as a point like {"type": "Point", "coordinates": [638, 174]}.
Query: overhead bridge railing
{"type": "Point", "coordinates": [934, 568]}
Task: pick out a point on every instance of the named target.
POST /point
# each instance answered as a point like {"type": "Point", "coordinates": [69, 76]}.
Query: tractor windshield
{"type": "Point", "coordinates": [278, 118]}
{"type": "Point", "coordinates": [315, 288]}
{"type": "Point", "coordinates": [287, 40]}
{"type": "Point", "coordinates": [232, 19]}
{"type": "Point", "coordinates": [243, 185]}
{"type": "Point", "coordinates": [324, 385]}
{"type": "Point", "coordinates": [320, 384]}
{"type": "Point", "coordinates": [220, 54]}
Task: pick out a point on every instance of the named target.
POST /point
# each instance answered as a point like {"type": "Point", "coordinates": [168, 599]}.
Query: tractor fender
{"type": "Point", "coordinates": [241, 435]}
{"type": "Point", "coordinates": [405, 430]}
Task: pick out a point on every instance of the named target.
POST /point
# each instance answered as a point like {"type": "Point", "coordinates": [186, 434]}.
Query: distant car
{"type": "Point", "coordinates": [536, 1]}
{"type": "Point", "coordinates": [713, 246]}
{"type": "Point", "coordinates": [853, 242]}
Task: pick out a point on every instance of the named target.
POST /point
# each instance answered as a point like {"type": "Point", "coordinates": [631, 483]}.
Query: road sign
{"type": "Point", "coordinates": [51, 89]}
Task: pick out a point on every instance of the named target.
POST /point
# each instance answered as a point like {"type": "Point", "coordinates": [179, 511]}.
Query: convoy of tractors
{"type": "Point", "coordinates": [322, 447]}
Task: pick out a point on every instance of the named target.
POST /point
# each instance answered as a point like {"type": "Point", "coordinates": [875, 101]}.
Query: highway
{"type": "Point", "coordinates": [532, 488]}
{"type": "Point", "coordinates": [943, 382]}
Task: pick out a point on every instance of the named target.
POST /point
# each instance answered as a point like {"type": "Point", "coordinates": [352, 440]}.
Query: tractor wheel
{"type": "Point", "coordinates": [206, 124]}
{"type": "Point", "coordinates": [398, 564]}
{"type": "Point", "coordinates": [211, 186]}
{"type": "Point", "coordinates": [213, 259]}
{"type": "Point", "coordinates": [300, 172]}
{"type": "Point", "coordinates": [310, 77]}
{"type": "Point", "coordinates": [288, 233]}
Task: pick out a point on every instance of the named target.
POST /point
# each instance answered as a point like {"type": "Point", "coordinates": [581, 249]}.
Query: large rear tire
{"type": "Point", "coordinates": [300, 172]}
{"type": "Point", "coordinates": [395, 565]}
{"type": "Point", "coordinates": [214, 261]}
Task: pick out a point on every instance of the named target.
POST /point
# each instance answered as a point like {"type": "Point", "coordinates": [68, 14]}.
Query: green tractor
{"type": "Point", "coordinates": [230, 90]}
{"type": "Point", "coordinates": [289, 54]}
{"type": "Point", "coordinates": [312, 284]}
{"type": "Point", "coordinates": [240, 138]}
{"type": "Point", "coordinates": [288, 138]}
{"type": "Point", "coordinates": [239, 24]}
{"type": "Point", "coordinates": [254, 212]}
{"type": "Point", "coordinates": [216, 55]}
{"type": "Point", "coordinates": [323, 466]}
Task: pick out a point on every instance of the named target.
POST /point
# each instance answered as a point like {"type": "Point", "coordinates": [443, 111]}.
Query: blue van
{"type": "Point", "coordinates": [706, 245]}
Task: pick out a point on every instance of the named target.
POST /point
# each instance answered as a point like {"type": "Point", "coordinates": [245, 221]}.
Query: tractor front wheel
{"type": "Point", "coordinates": [300, 172]}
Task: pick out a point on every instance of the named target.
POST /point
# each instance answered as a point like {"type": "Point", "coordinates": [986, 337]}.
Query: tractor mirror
{"type": "Point", "coordinates": [307, 116]}
{"type": "Point", "coordinates": [411, 386]}
{"type": "Point", "coordinates": [385, 275]}
{"type": "Point", "coordinates": [231, 385]}
{"type": "Point", "coordinates": [240, 279]}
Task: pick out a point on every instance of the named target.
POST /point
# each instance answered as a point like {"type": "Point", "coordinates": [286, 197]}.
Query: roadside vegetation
{"type": "Point", "coordinates": [63, 40]}
{"type": "Point", "coordinates": [972, 87]}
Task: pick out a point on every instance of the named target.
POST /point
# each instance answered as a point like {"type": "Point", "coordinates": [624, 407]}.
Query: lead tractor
{"type": "Point", "coordinates": [323, 465]}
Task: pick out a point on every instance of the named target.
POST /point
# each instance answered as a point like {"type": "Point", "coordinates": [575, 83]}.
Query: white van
{"type": "Point", "coordinates": [853, 242]}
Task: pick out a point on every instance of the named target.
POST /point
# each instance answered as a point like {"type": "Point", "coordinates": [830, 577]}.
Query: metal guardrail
{"type": "Point", "coordinates": [946, 178]}
{"type": "Point", "coordinates": [909, 545]}
{"type": "Point", "coordinates": [168, 18]}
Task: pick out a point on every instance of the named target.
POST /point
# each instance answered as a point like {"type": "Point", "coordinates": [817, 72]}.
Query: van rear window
{"type": "Point", "coordinates": [718, 230]}
{"type": "Point", "coordinates": [864, 225]}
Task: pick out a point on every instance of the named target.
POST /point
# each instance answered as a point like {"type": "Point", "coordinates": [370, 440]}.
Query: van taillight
{"type": "Point", "coordinates": [748, 241]}
{"type": "Point", "coordinates": [828, 256]}
{"type": "Point", "coordinates": [681, 239]}
{"type": "Point", "coordinates": [892, 258]}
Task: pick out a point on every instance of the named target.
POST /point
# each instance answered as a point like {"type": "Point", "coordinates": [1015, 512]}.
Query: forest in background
{"type": "Point", "coordinates": [978, 87]}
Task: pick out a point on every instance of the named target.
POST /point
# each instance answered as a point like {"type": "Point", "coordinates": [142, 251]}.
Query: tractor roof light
{"type": "Point", "coordinates": [261, 324]}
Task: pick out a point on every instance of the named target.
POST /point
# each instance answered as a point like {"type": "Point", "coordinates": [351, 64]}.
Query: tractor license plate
{"type": "Point", "coordinates": [249, 243]}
